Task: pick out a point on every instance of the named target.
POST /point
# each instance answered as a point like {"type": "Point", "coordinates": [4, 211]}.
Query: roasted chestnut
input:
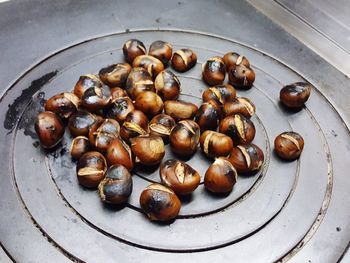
{"type": "Point", "coordinates": [91, 169]}
{"type": "Point", "coordinates": [49, 128]}
{"type": "Point", "coordinates": [232, 59]}
{"type": "Point", "coordinates": [115, 75]}
{"type": "Point", "coordinates": [85, 82]}
{"type": "Point", "coordinates": [139, 80]}
{"type": "Point", "coordinates": [151, 64]}
{"type": "Point", "coordinates": [289, 145]}
{"type": "Point", "coordinates": [295, 95]}
{"type": "Point", "coordinates": [184, 138]}
{"type": "Point", "coordinates": [133, 48]}
{"type": "Point", "coordinates": [118, 152]}
{"type": "Point", "coordinates": [120, 108]}
{"type": "Point", "coordinates": [219, 93]}
{"type": "Point", "coordinates": [79, 146]}
{"type": "Point", "coordinates": [116, 187]}
{"type": "Point", "coordinates": [179, 176]}
{"type": "Point", "coordinates": [159, 202]}
{"type": "Point", "coordinates": [117, 93]}
{"type": "Point", "coordinates": [214, 71]}
{"type": "Point", "coordinates": [161, 50]}
{"type": "Point", "coordinates": [80, 123]}
{"type": "Point", "coordinates": [162, 125]}
{"type": "Point", "coordinates": [246, 158]}
{"type": "Point", "coordinates": [239, 128]}
{"type": "Point", "coordinates": [167, 85]}
{"type": "Point", "coordinates": [208, 116]}
{"type": "Point", "coordinates": [149, 103]}
{"type": "Point", "coordinates": [221, 176]}
{"type": "Point", "coordinates": [215, 144]}
{"type": "Point", "coordinates": [97, 98]}
{"type": "Point", "coordinates": [148, 149]}
{"type": "Point", "coordinates": [241, 77]}
{"type": "Point", "coordinates": [183, 60]}
{"type": "Point", "coordinates": [135, 124]}
{"type": "Point", "coordinates": [240, 105]}
{"type": "Point", "coordinates": [180, 110]}
{"type": "Point", "coordinates": [101, 134]}
{"type": "Point", "coordinates": [63, 104]}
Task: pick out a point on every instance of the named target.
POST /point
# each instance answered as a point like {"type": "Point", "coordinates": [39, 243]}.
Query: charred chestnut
{"type": "Point", "coordinates": [133, 48]}
{"type": "Point", "coordinates": [183, 60]}
{"type": "Point", "coordinates": [116, 187]}
{"type": "Point", "coordinates": [180, 110]}
{"type": "Point", "coordinates": [91, 169]}
{"type": "Point", "coordinates": [63, 104]}
{"type": "Point", "coordinates": [117, 93]}
{"type": "Point", "coordinates": [79, 146]}
{"type": "Point", "coordinates": [221, 176]}
{"type": "Point", "coordinates": [162, 125]}
{"type": "Point", "coordinates": [85, 82]}
{"type": "Point", "coordinates": [219, 93]}
{"type": "Point", "coordinates": [295, 95]}
{"type": "Point", "coordinates": [184, 138]}
{"type": "Point", "coordinates": [161, 50]}
{"type": "Point", "coordinates": [149, 103]}
{"type": "Point", "coordinates": [148, 149]}
{"type": "Point", "coordinates": [135, 124]}
{"type": "Point", "coordinates": [118, 152]}
{"type": "Point", "coordinates": [214, 71]}
{"type": "Point", "coordinates": [151, 64]}
{"type": "Point", "coordinates": [289, 145]}
{"type": "Point", "coordinates": [159, 202]}
{"type": "Point", "coordinates": [215, 144]}
{"type": "Point", "coordinates": [241, 77]}
{"type": "Point", "coordinates": [240, 105]}
{"type": "Point", "coordinates": [97, 98]}
{"type": "Point", "coordinates": [246, 158]}
{"type": "Point", "coordinates": [49, 128]}
{"type": "Point", "coordinates": [179, 176]}
{"type": "Point", "coordinates": [208, 116]}
{"type": "Point", "coordinates": [167, 85]}
{"type": "Point", "coordinates": [115, 75]}
{"type": "Point", "coordinates": [239, 128]}
{"type": "Point", "coordinates": [103, 133]}
{"type": "Point", "coordinates": [120, 108]}
{"type": "Point", "coordinates": [80, 122]}
{"type": "Point", "coordinates": [139, 80]}
{"type": "Point", "coordinates": [232, 59]}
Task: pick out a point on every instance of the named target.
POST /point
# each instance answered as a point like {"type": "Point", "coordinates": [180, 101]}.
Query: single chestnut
{"type": "Point", "coordinates": [49, 128]}
{"type": "Point", "coordinates": [63, 104]}
{"type": "Point", "coordinates": [183, 60]}
{"type": "Point", "coordinates": [289, 145]}
{"type": "Point", "coordinates": [161, 125]}
{"type": "Point", "coordinates": [215, 144]}
{"type": "Point", "coordinates": [179, 176]}
{"type": "Point", "coordinates": [101, 134]}
{"type": "Point", "coordinates": [167, 85]}
{"type": "Point", "coordinates": [233, 59]}
{"type": "Point", "coordinates": [79, 146]}
{"type": "Point", "coordinates": [161, 50]}
{"type": "Point", "coordinates": [117, 93]}
{"type": "Point", "coordinates": [139, 80]}
{"type": "Point", "coordinates": [133, 48]}
{"type": "Point", "coordinates": [85, 82]}
{"type": "Point", "coordinates": [241, 77]}
{"type": "Point", "coordinates": [153, 65]}
{"type": "Point", "coordinates": [240, 105]}
{"type": "Point", "coordinates": [208, 116]}
{"type": "Point", "coordinates": [159, 202]}
{"type": "Point", "coordinates": [80, 123]}
{"type": "Point", "coordinates": [91, 169]}
{"type": "Point", "coordinates": [135, 124]}
{"type": "Point", "coordinates": [180, 110]}
{"type": "Point", "coordinates": [149, 103]}
{"type": "Point", "coordinates": [239, 128]}
{"type": "Point", "coordinates": [118, 152]}
{"type": "Point", "coordinates": [214, 71]}
{"type": "Point", "coordinates": [219, 93]}
{"type": "Point", "coordinates": [246, 158]}
{"type": "Point", "coordinates": [115, 75]}
{"type": "Point", "coordinates": [148, 149]}
{"type": "Point", "coordinates": [184, 138]}
{"type": "Point", "coordinates": [295, 95]}
{"type": "Point", "coordinates": [97, 98]}
{"type": "Point", "coordinates": [120, 108]}
{"type": "Point", "coordinates": [221, 176]}
{"type": "Point", "coordinates": [116, 187]}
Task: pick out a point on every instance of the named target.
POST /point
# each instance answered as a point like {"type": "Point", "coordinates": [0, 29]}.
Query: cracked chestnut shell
{"type": "Point", "coordinates": [184, 138]}
{"type": "Point", "coordinates": [63, 104]}
{"type": "Point", "coordinates": [85, 82]}
{"type": "Point", "coordinates": [148, 149]}
{"type": "Point", "coordinates": [159, 202]}
{"type": "Point", "coordinates": [161, 50]}
{"type": "Point", "coordinates": [80, 122]}
{"type": "Point", "coordinates": [167, 85]}
{"type": "Point", "coordinates": [116, 187]}
{"type": "Point", "coordinates": [295, 95]}
{"type": "Point", "coordinates": [221, 176]}
{"type": "Point", "coordinates": [179, 176]}
{"type": "Point", "coordinates": [133, 48]}
{"type": "Point", "coordinates": [151, 64]}
{"type": "Point", "coordinates": [215, 144]}
{"type": "Point", "coordinates": [117, 93]}
{"type": "Point", "coordinates": [241, 77]}
{"type": "Point", "coordinates": [240, 105]}
{"type": "Point", "coordinates": [161, 125]}
{"type": "Point", "coordinates": [239, 128]}
{"type": "Point", "coordinates": [119, 152]}
{"type": "Point", "coordinates": [214, 71]}
{"type": "Point", "coordinates": [49, 128]}
{"type": "Point", "coordinates": [115, 75]}
{"type": "Point", "coordinates": [135, 124]}
{"type": "Point", "coordinates": [219, 93]}
{"type": "Point", "coordinates": [289, 145]}
{"type": "Point", "coordinates": [97, 98]}
{"type": "Point", "coordinates": [149, 103]}
{"type": "Point", "coordinates": [91, 169]}
{"type": "Point", "coordinates": [101, 134]}
{"type": "Point", "coordinates": [184, 59]}
{"type": "Point", "coordinates": [208, 116]}
{"type": "Point", "coordinates": [138, 81]}
{"type": "Point", "coordinates": [246, 158]}
{"type": "Point", "coordinates": [120, 108]}
{"type": "Point", "coordinates": [79, 146]}
{"type": "Point", "coordinates": [233, 59]}
{"type": "Point", "coordinates": [180, 110]}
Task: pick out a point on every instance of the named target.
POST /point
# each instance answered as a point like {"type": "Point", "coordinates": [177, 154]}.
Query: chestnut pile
{"type": "Point", "coordinates": [123, 117]}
